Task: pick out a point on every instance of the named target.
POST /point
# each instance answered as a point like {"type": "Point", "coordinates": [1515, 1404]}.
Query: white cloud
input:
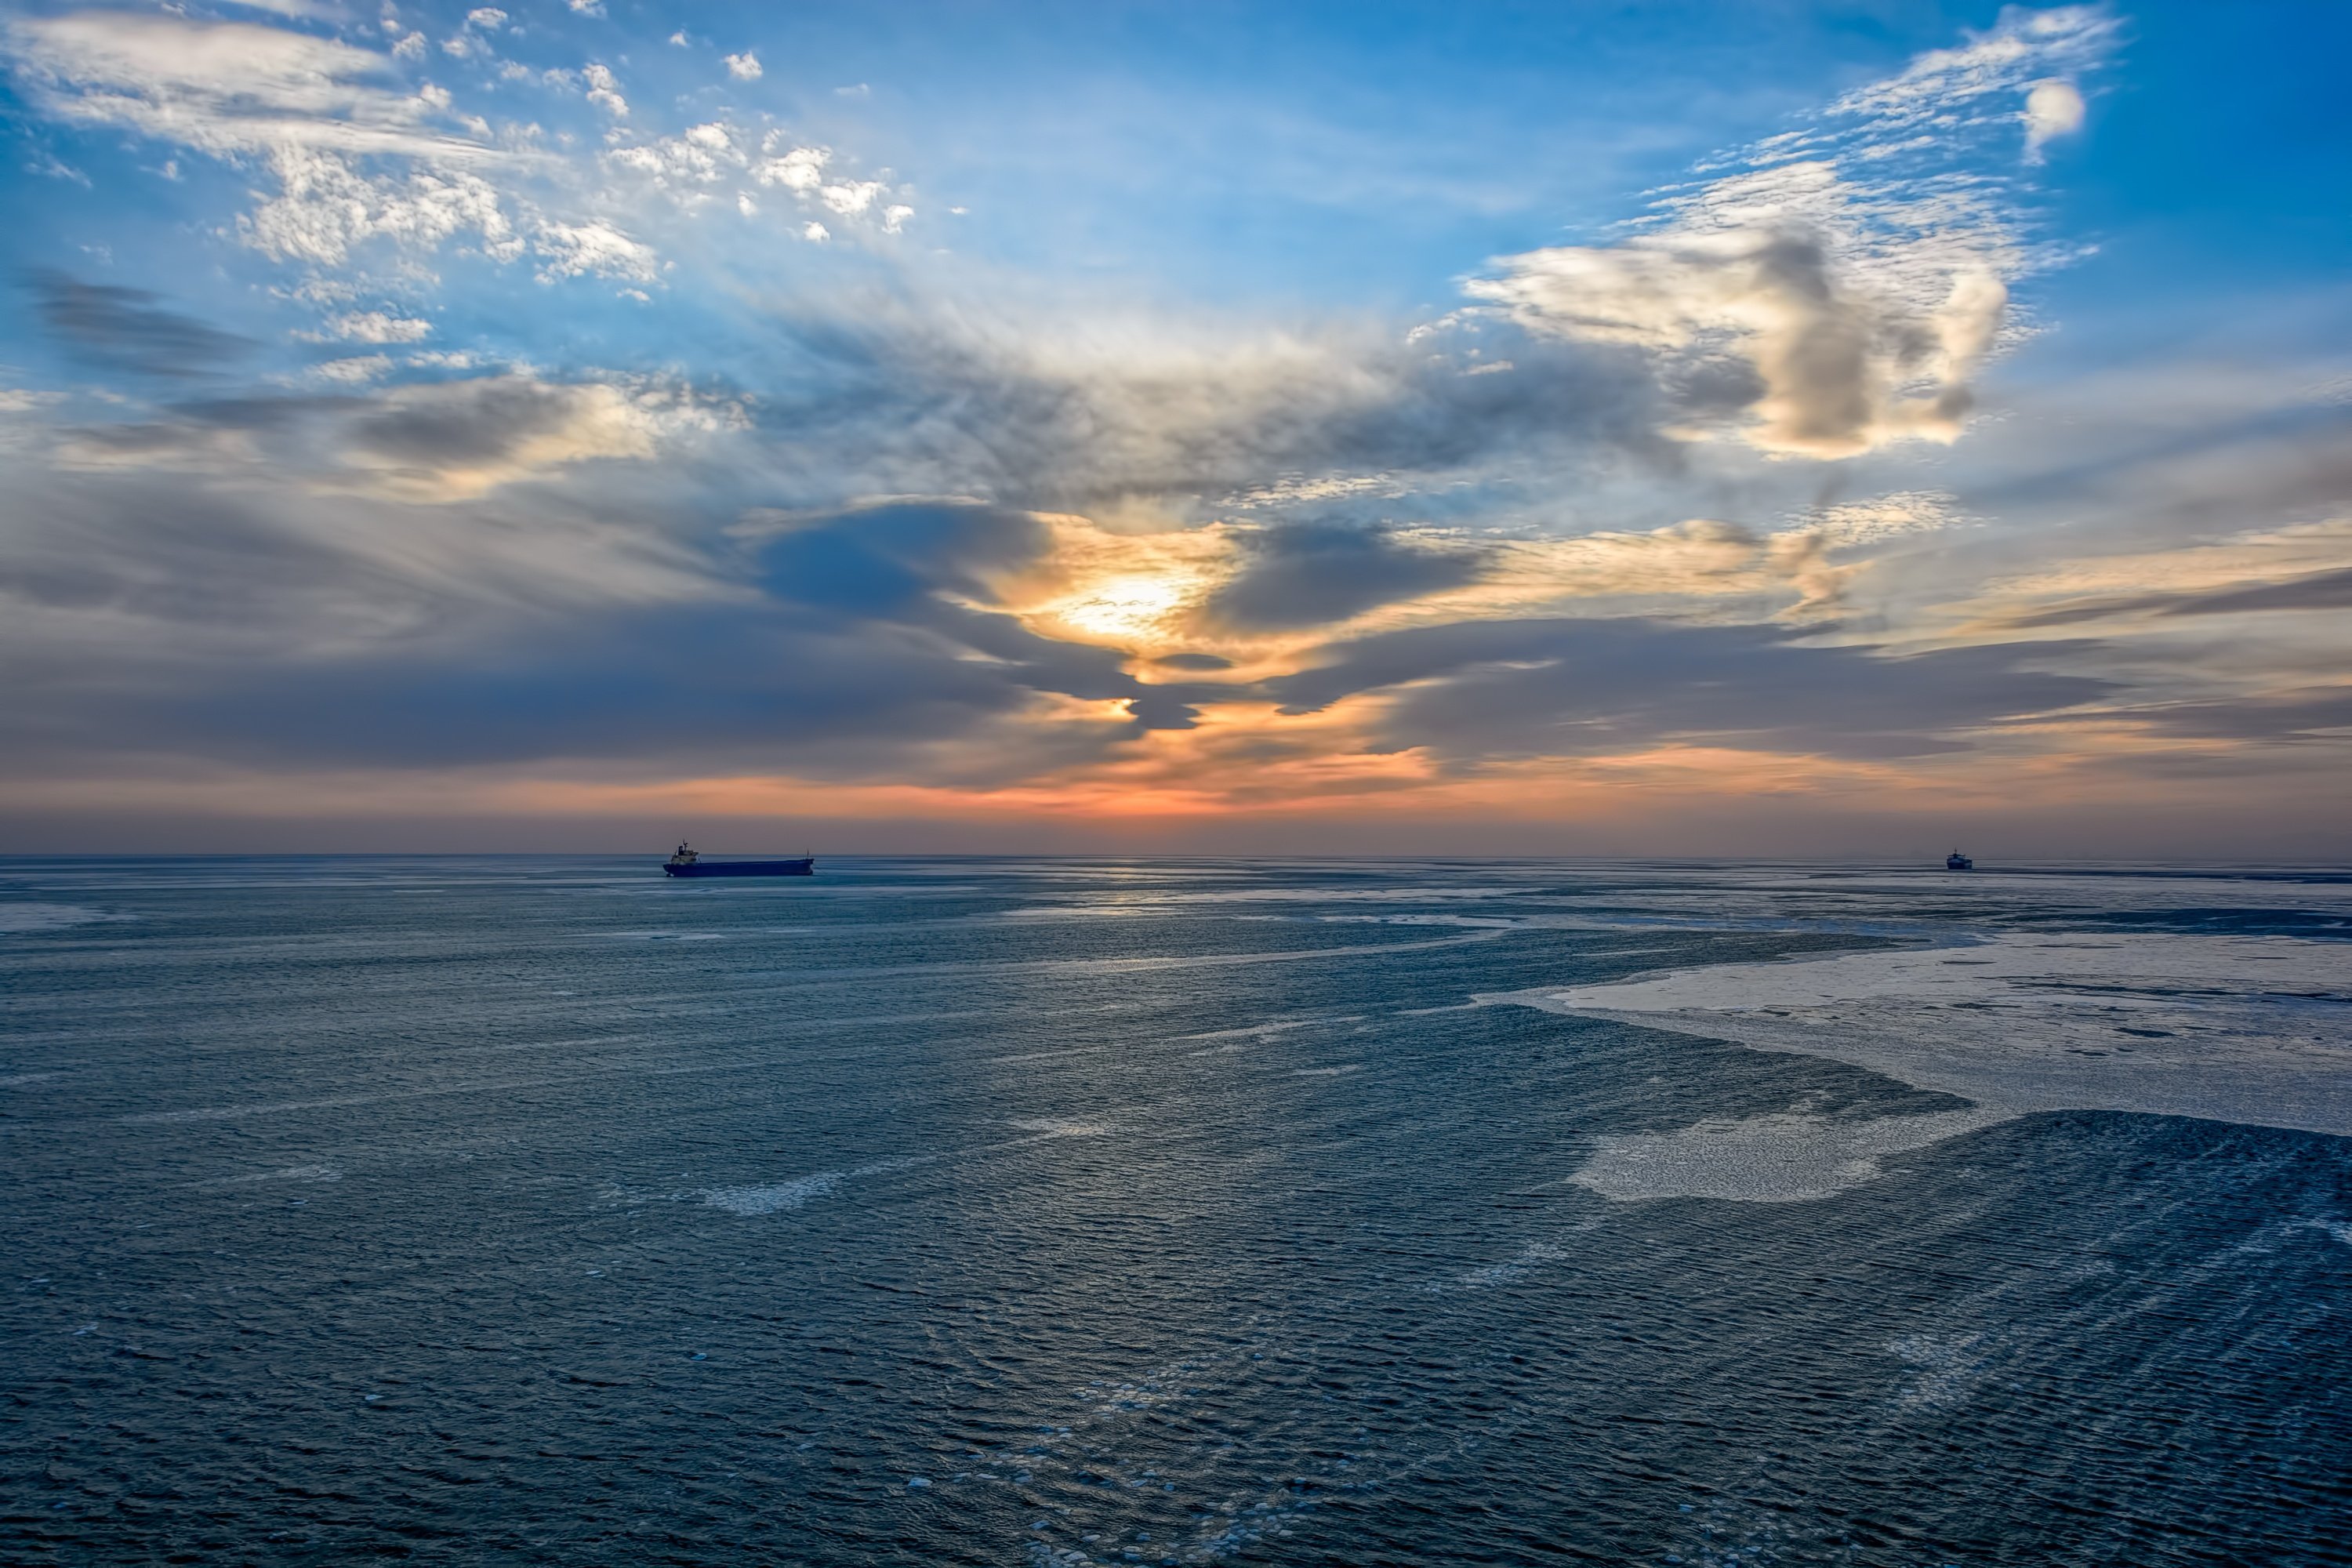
{"type": "Point", "coordinates": [588, 8]}
{"type": "Point", "coordinates": [700, 157]}
{"type": "Point", "coordinates": [2052, 108]}
{"type": "Point", "coordinates": [744, 67]}
{"type": "Point", "coordinates": [357, 371]}
{"type": "Point", "coordinates": [326, 207]}
{"type": "Point", "coordinates": [1847, 523]}
{"type": "Point", "coordinates": [487, 17]}
{"type": "Point", "coordinates": [225, 87]}
{"type": "Point", "coordinates": [814, 232]}
{"type": "Point", "coordinates": [605, 91]}
{"type": "Point", "coordinates": [373, 327]}
{"type": "Point", "coordinates": [594, 247]}
{"type": "Point", "coordinates": [852, 197]}
{"type": "Point", "coordinates": [802, 169]}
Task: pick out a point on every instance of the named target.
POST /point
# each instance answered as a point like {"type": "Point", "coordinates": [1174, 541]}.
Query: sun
{"type": "Point", "coordinates": [1123, 609]}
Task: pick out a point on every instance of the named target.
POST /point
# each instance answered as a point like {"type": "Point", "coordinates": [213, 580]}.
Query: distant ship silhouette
{"type": "Point", "coordinates": [690, 863]}
{"type": "Point", "coordinates": [1955, 862]}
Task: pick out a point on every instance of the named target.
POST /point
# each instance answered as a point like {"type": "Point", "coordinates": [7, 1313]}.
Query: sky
{"type": "Point", "coordinates": [1780, 429]}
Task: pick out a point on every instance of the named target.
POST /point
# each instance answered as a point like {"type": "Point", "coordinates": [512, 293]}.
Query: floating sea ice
{"type": "Point", "coordinates": [770, 1200]}
{"type": "Point", "coordinates": [1788, 1158]}
{"type": "Point", "coordinates": [2249, 1029]}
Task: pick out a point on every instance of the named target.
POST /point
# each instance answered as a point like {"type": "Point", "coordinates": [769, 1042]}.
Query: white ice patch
{"type": "Point", "coordinates": [1267, 1031]}
{"type": "Point", "coordinates": [288, 1173]}
{"type": "Point", "coordinates": [1326, 895]}
{"type": "Point", "coordinates": [2255, 1030]}
{"type": "Point", "coordinates": [18, 919]}
{"type": "Point", "coordinates": [1493, 1274]}
{"type": "Point", "coordinates": [1051, 1127]}
{"type": "Point", "coordinates": [784, 1195]}
{"type": "Point", "coordinates": [1788, 1158]}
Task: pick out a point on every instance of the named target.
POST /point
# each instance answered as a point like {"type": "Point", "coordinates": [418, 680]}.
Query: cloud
{"type": "Point", "coordinates": [1891, 516]}
{"type": "Point", "coordinates": [2316, 591]}
{"type": "Point", "coordinates": [428, 442]}
{"type": "Point", "coordinates": [1855, 273]}
{"type": "Point", "coordinates": [356, 370]}
{"type": "Point", "coordinates": [1034, 412]}
{"type": "Point", "coordinates": [243, 624]}
{"type": "Point", "coordinates": [798, 169]}
{"type": "Point", "coordinates": [687, 166]}
{"type": "Point", "coordinates": [1491, 690]}
{"type": "Point", "coordinates": [744, 67]}
{"type": "Point", "coordinates": [225, 87]}
{"type": "Point", "coordinates": [1833, 363]}
{"type": "Point", "coordinates": [126, 328]}
{"type": "Point", "coordinates": [2301, 568]}
{"type": "Point", "coordinates": [1306, 575]}
{"type": "Point", "coordinates": [604, 90]}
{"type": "Point", "coordinates": [1944, 88]}
{"type": "Point", "coordinates": [376, 327]}
{"type": "Point", "coordinates": [451, 440]}
{"type": "Point", "coordinates": [325, 208]}
{"type": "Point", "coordinates": [595, 246]}
{"type": "Point", "coordinates": [851, 197]}
{"type": "Point", "coordinates": [1535, 529]}
{"type": "Point", "coordinates": [2319, 715]}
{"type": "Point", "coordinates": [703, 155]}
{"type": "Point", "coordinates": [2052, 109]}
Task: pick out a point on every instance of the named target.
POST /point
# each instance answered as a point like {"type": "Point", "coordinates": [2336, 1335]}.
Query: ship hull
{"type": "Point", "coordinates": [802, 868]}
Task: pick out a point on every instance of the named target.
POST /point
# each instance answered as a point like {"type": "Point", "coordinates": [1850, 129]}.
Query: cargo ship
{"type": "Point", "coordinates": [1955, 861]}
{"type": "Point", "coordinates": [687, 863]}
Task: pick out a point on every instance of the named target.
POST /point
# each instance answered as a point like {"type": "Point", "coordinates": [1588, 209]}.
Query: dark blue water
{"type": "Point", "coordinates": [1003, 1213]}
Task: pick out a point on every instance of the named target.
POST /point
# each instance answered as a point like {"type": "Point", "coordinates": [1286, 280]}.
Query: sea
{"type": "Point", "coordinates": [542, 1210]}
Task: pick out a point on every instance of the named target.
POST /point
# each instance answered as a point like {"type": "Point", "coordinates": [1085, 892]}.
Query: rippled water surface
{"type": "Point", "coordinates": [541, 1210]}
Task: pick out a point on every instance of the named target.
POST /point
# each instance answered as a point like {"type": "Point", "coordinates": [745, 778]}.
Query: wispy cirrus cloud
{"type": "Point", "coordinates": [230, 87]}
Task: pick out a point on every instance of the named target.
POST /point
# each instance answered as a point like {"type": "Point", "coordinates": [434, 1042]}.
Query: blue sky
{"type": "Point", "coordinates": [1671, 427]}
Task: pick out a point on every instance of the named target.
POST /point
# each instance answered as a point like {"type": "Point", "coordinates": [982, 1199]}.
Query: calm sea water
{"type": "Point", "coordinates": [929, 1211]}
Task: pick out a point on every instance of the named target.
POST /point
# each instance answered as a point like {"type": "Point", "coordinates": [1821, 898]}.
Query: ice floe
{"type": "Point", "coordinates": [1787, 1158]}
{"type": "Point", "coordinates": [2237, 1028]}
